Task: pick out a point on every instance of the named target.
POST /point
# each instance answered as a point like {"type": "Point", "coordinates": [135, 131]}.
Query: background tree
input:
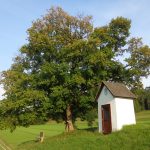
{"type": "Point", "coordinates": [138, 62]}
{"type": "Point", "coordinates": [144, 98]}
{"type": "Point", "coordinates": [57, 72]}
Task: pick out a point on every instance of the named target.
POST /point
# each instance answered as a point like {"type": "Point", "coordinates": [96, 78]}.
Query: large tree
{"type": "Point", "coordinates": [57, 72]}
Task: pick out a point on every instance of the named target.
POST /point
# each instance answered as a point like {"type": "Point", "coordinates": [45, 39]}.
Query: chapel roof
{"type": "Point", "coordinates": [116, 89]}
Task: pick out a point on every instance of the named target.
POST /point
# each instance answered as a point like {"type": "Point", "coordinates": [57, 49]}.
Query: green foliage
{"type": "Point", "coordinates": [90, 117]}
{"type": "Point", "coordinates": [137, 106]}
{"type": "Point", "coordinates": [138, 63]}
{"type": "Point", "coordinates": [144, 98]}
{"type": "Point", "coordinates": [62, 64]}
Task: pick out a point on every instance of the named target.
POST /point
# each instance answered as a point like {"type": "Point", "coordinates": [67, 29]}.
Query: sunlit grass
{"type": "Point", "coordinates": [131, 137]}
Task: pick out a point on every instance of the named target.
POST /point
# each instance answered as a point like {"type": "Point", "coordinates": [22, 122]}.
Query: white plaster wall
{"type": "Point", "coordinates": [113, 116]}
{"type": "Point", "coordinates": [125, 114]}
{"type": "Point", "coordinates": [107, 99]}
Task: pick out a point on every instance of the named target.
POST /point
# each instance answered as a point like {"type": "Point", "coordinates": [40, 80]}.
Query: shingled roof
{"type": "Point", "coordinates": [117, 90]}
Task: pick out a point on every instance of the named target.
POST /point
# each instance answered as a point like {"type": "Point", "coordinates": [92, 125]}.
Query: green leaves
{"type": "Point", "coordinates": [119, 31]}
{"type": "Point", "coordinates": [138, 62]}
{"type": "Point", "coordinates": [62, 64]}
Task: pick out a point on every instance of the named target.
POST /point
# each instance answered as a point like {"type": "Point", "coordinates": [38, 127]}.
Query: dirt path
{"type": "Point", "coordinates": [3, 146]}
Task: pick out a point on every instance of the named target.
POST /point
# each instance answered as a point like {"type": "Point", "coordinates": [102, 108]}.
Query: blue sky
{"type": "Point", "coordinates": [16, 17]}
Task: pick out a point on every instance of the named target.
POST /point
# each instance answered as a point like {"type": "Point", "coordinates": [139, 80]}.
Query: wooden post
{"type": "Point", "coordinates": [41, 137]}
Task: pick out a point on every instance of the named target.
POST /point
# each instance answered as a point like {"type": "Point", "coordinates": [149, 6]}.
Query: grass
{"type": "Point", "coordinates": [130, 138]}
{"type": "Point", "coordinates": [134, 137]}
{"type": "Point", "coordinates": [24, 135]}
{"type": "Point", "coordinates": [143, 116]}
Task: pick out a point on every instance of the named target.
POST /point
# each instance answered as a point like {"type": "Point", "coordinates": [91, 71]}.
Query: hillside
{"type": "Point", "coordinates": [131, 137]}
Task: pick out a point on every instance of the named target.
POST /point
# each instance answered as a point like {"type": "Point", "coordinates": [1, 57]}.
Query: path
{"type": "Point", "coordinates": [3, 146]}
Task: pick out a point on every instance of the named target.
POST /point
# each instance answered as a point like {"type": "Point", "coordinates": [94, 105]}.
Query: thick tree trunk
{"type": "Point", "coordinates": [69, 125]}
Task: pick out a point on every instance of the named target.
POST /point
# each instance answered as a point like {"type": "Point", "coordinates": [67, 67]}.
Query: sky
{"type": "Point", "coordinates": [16, 16]}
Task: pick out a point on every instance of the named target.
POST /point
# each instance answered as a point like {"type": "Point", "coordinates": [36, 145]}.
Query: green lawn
{"type": "Point", "coordinates": [131, 137]}
{"type": "Point", "coordinates": [143, 116]}
{"type": "Point", "coordinates": [23, 135]}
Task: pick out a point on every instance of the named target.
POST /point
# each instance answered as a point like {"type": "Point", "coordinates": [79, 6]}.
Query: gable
{"type": "Point", "coordinates": [117, 90]}
{"type": "Point", "coordinates": [105, 96]}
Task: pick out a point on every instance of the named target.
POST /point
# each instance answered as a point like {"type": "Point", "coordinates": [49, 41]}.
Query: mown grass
{"type": "Point", "coordinates": [136, 137]}
{"type": "Point", "coordinates": [24, 135]}
{"type": "Point", "coordinates": [130, 138]}
{"type": "Point", "coordinates": [143, 116]}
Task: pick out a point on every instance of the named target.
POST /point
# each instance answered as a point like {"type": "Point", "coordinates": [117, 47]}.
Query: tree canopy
{"type": "Point", "coordinates": [56, 74]}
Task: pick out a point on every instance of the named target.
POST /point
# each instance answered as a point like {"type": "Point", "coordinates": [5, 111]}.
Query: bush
{"type": "Point", "coordinates": [90, 117]}
{"type": "Point", "coordinates": [137, 106]}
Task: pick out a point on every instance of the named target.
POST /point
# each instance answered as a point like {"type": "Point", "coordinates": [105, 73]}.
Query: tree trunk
{"type": "Point", "coordinates": [69, 125]}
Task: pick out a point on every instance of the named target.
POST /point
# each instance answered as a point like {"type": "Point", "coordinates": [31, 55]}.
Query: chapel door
{"type": "Point", "coordinates": [106, 119]}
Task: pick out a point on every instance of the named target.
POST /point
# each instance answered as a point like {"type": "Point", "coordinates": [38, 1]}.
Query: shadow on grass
{"type": "Point", "coordinates": [26, 142]}
{"type": "Point", "coordinates": [92, 129]}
